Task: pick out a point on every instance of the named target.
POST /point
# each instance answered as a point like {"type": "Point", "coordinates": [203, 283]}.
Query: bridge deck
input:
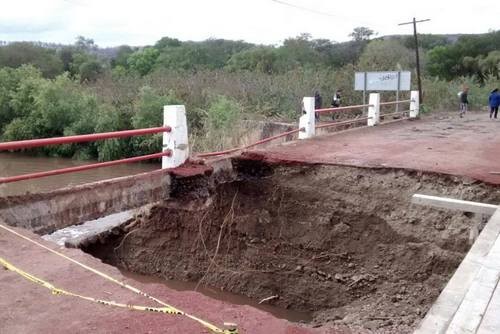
{"type": "Point", "coordinates": [444, 144]}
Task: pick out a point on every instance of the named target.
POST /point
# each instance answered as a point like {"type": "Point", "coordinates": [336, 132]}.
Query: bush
{"type": "Point", "coordinates": [149, 113]}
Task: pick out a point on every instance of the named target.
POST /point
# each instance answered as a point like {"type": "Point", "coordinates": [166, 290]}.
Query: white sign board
{"type": "Point", "coordinates": [379, 81]}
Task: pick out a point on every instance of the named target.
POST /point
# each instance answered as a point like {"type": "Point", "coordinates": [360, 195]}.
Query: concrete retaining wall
{"type": "Point", "coordinates": [47, 212]}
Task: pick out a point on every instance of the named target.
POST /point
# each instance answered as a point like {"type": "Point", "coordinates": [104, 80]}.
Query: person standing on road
{"type": "Point", "coordinates": [494, 101]}
{"type": "Point", "coordinates": [336, 101]}
{"type": "Point", "coordinates": [318, 102]}
{"type": "Point", "coordinates": [464, 101]}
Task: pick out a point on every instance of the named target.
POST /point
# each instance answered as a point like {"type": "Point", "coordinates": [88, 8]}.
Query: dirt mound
{"type": "Point", "coordinates": [341, 242]}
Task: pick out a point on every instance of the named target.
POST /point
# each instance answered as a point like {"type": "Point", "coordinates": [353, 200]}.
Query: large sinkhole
{"type": "Point", "coordinates": [342, 244]}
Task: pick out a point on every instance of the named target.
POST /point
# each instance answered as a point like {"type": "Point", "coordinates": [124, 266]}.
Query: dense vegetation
{"type": "Point", "coordinates": [55, 90]}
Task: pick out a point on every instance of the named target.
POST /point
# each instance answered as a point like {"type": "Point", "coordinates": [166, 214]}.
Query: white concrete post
{"type": "Point", "coordinates": [176, 140]}
{"type": "Point", "coordinates": [308, 120]}
{"type": "Point", "coordinates": [414, 104]}
{"type": "Point", "coordinates": [374, 109]}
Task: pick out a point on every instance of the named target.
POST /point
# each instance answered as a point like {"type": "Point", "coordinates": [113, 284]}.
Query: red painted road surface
{"type": "Point", "coordinates": [446, 144]}
{"type": "Point", "coordinates": [29, 308]}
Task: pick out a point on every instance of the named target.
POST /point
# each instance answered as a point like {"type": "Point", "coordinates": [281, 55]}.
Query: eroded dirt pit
{"type": "Point", "coordinates": [342, 243]}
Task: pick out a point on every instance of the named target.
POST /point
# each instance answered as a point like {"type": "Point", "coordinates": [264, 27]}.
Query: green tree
{"type": "Point", "coordinates": [167, 42]}
{"type": "Point", "coordinates": [443, 62]}
{"type": "Point", "coordinates": [149, 113]}
{"type": "Point", "coordinates": [143, 61]}
{"type": "Point", "coordinates": [222, 113]}
{"type": "Point", "coordinates": [262, 59]}
{"type": "Point", "coordinates": [20, 53]}
{"type": "Point", "coordinates": [66, 55]}
{"type": "Point", "coordinates": [385, 55]}
{"type": "Point", "coordinates": [87, 45]}
{"type": "Point", "coordinates": [24, 88]}
{"type": "Point", "coordinates": [361, 34]}
{"type": "Point", "coordinates": [51, 108]}
{"type": "Point", "coordinates": [121, 57]}
{"type": "Point", "coordinates": [449, 61]}
{"type": "Point", "coordinates": [8, 84]}
{"type": "Point", "coordinates": [298, 52]}
{"type": "Point", "coordinates": [490, 65]}
{"type": "Point", "coordinates": [90, 70]}
{"type": "Point", "coordinates": [112, 119]}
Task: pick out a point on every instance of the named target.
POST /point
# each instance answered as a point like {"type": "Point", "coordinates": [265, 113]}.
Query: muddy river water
{"type": "Point", "coordinates": [15, 164]}
{"type": "Point", "coordinates": [216, 293]}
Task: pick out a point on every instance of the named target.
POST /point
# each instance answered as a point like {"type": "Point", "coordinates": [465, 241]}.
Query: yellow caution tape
{"type": "Point", "coordinates": [57, 291]}
{"type": "Point", "coordinates": [168, 309]}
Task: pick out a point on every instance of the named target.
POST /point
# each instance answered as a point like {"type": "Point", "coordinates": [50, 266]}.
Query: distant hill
{"type": "Point", "coordinates": [111, 52]}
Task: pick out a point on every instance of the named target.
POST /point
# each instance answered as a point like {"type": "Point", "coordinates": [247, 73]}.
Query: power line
{"type": "Point", "coordinates": [303, 8]}
{"type": "Point", "coordinates": [329, 14]}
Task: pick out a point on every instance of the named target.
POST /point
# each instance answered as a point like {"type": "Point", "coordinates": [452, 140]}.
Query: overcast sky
{"type": "Point", "coordinates": [142, 22]}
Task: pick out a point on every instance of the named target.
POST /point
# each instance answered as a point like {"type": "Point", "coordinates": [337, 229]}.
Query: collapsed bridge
{"type": "Point", "coordinates": [324, 227]}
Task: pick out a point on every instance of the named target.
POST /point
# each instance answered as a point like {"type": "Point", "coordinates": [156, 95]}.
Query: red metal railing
{"type": "Point", "coordinates": [395, 113]}
{"type": "Point", "coordinates": [23, 144]}
{"type": "Point", "coordinates": [128, 133]}
{"type": "Point", "coordinates": [337, 109]}
{"type": "Point", "coordinates": [83, 167]}
{"type": "Point", "coordinates": [265, 140]}
{"type": "Point", "coordinates": [320, 126]}
{"type": "Point", "coordinates": [354, 121]}
{"type": "Point", "coordinates": [394, 102]}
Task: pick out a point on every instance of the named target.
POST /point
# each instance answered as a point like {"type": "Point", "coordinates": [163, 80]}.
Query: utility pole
{"type": "Point", "coordinates": [419, 81]}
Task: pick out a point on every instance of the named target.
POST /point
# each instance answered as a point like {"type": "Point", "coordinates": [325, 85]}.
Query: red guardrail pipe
{"type": "Point", "coordinates": [326, 125]}
{"type": "Point", "coordinates": [265, 140]}
{"type": "Point", "coordinates": [341, 108]}
{"type": "Point", "coordinates": [394, 102]}
{"type": "Point", "coordinates": [83, 167]}
{"type": "Point", "coordinates": [16, 145]}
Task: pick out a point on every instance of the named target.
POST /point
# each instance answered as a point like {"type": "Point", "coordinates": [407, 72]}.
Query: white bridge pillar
{"type": "Point", "coordinates": [177, 139]}
{"type": "Point", "coordinates": [374, 109]}
{"type": "Point", "coordinates": [307, 121]}
{"type": "Point", "coordinates": [414, 104]}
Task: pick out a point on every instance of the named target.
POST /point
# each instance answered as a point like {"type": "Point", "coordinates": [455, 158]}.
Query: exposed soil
{"type": "Point", "coordinates": [342, 242]}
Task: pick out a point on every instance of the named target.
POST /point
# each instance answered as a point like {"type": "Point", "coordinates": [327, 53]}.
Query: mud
{"type": "Point", "coordinates": [342, 242]}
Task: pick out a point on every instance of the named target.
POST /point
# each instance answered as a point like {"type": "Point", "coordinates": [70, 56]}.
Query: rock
{"type": "Point", "coordinates": [322, 273]}
{"type": "Point", "coordinates": [299, 268]}
{"type": "Point", "coordinates": [439, 226]}
{"type": "Point", "coordinates": [414, 221]}
{"type": "Point", "coordinates": [341, 228]}
{"type": "Point", "coordinates": [264, 217]}
{"type": "Point", "coordinates": [350, 265]}
{"type": "Point", "coordinates": [309, 270]}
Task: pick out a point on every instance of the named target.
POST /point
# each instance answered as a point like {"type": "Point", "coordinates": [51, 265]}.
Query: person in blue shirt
{"type": "Point", "coordinates": [494, 101]}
